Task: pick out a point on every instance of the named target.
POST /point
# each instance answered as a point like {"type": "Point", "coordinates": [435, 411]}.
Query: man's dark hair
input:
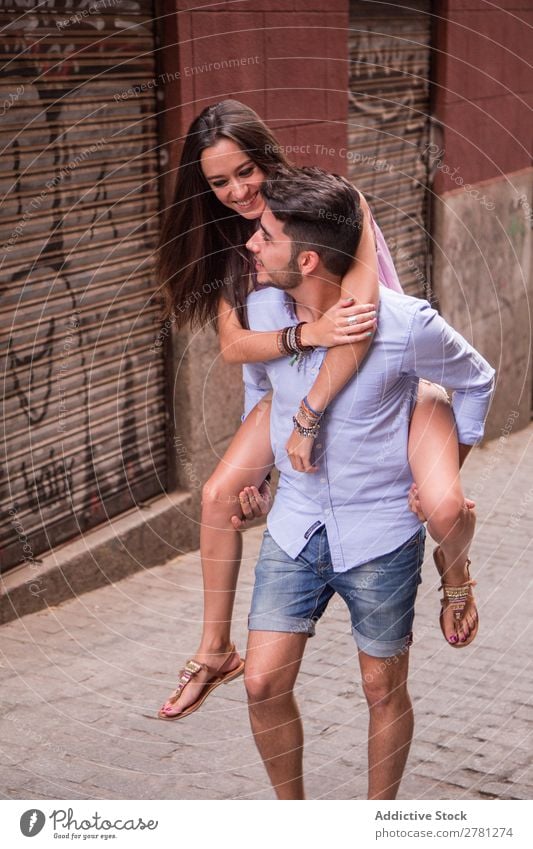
{"type": "Point", "coordinates": [321, 212]}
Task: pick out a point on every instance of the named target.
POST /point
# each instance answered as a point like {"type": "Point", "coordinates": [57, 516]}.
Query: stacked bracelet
{"type": "Point", "coordinates": [302, 349]}
{"type": "Point", "coordinates": [311, 420]}
{"type": "Point", "coordinates": [290, 340]}
{"type": "Point", "coordinates": [305, 403]}
{"type": "Point", "coordinates": [303, 414]}
{"type": "Point", "coordinates": [306, 431]}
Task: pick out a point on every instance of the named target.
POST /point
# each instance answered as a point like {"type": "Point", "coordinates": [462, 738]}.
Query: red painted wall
{"type": "Point", "coordinates": [484, 88]}
{"type": "Point", "coordinates": [295, 74]}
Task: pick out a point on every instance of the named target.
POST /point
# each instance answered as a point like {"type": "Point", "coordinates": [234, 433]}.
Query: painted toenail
{"type": "Point", "coordinates": [452, 639]}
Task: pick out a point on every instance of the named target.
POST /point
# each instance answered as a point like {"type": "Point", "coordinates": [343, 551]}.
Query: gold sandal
{"type": "Point", "coordinates": [192, 668]}
{"type": "Point", "coordinates": [456, 597]}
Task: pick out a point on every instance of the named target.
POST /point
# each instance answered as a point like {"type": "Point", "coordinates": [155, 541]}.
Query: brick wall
{"type": "Point", "coordinates": [482, 233]}
{"type": "Point", "coordinates": [484, 92]}
{"type": "Point", "coordinates": [295, 71]}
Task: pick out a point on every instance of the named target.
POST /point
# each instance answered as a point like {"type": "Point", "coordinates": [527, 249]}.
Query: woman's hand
{"type": "Point", "coordinates": [254, 502]}
{"type": "Point", "coordinates": [299, 450]}
{"type": "Point", "coordinates": [335, 328]}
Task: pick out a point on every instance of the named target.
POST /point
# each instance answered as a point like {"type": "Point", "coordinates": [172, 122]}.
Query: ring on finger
{"type": "Point", "coordinates": [352, 319]}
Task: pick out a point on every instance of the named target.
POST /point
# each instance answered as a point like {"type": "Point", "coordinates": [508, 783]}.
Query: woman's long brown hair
{"type": "Point", "coordinates": [201, 252]}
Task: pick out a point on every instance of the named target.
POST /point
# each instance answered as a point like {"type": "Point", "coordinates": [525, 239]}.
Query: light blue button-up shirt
{"type": "Point", "coordinates": [360, 491]}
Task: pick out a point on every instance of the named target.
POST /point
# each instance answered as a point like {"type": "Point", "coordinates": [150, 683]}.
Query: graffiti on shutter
{"type": "Point", "coordinates": [83, 382]}
{"type": "Point", "coordinates": [388, 128]}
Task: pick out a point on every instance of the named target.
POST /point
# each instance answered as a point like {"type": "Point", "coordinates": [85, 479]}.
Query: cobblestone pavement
{"type": "Point", "coordinates": [81, 682]}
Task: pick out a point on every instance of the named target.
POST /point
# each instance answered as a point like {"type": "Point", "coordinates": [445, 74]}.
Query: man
{"type": "Point", "coordinates": [347, 528]}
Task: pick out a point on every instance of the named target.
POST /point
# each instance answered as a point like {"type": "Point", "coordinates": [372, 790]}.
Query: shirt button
{"type": "Point", "coordinates": [322, 480]}
{"type": "Point", "coordinates": [319, 445]}
{"type": "Point", "coordinates": [327, 512]}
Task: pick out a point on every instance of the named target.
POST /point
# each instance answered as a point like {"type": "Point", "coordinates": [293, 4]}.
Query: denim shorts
{"type": "Point", "coordinates": [291, 595]}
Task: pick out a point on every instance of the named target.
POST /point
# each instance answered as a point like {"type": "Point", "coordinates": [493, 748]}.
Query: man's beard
{"type": "Point", "coordinates": [289, 278]}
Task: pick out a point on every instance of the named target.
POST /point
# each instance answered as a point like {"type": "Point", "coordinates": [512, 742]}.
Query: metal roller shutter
{"type": "Point", "coordinates": [83, 382]}
{"type": "Point", "coordinates": [388, 130]}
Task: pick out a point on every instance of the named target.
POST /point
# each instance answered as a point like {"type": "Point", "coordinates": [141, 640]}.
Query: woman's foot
{"type": "Point", "coordinates": [201, 675]}
{"type": "Point", "coordinates": [459, 617]}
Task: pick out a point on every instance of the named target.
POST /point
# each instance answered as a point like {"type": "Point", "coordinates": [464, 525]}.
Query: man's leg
{"type": "Point", "coordinates": [391, 722]}
{"type": "Point", "coordinates": [381, 597]}
{"type": "Point", "coordinates": [272, 663]}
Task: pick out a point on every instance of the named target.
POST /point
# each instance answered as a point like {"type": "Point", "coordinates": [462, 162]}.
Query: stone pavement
{"type": "Point", "coordinates": [81, 682]}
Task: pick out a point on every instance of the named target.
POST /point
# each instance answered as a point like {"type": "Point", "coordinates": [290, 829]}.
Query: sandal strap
{"type": "Point", "coordinates": [454, 593]}
{"type": "Point", "coordinates": [457, 597]}
{"type": "Point", "coordinates": [191, 668]}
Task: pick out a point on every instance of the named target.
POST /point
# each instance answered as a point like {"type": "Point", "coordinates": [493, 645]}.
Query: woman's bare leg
{"type": "Point", "coordinates": [434, 461]}
{"type": "Point", "coordinates": [246, 463]}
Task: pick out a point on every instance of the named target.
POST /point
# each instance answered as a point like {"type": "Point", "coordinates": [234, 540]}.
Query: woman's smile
{"type": "Point", "coordinates": [248, 204]}
{"type": "Point", "coordinates": [234, 177]}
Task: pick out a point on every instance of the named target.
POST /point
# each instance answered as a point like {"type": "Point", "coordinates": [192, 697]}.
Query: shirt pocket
{"type": "Point", "coordinates": [362, 398]}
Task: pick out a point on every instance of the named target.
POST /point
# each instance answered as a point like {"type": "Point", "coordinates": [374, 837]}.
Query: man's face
{"type": "Point", "coordinates": [272, 250]}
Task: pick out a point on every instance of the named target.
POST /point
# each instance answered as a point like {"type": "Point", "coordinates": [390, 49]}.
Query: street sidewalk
{"type": "Point", "coordinates": [81, 682]}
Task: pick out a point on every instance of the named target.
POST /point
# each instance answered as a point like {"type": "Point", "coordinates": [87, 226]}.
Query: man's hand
{"type": "Point", "coordinates": [415, 506]}
{"type": "Point", "coordinates": [299, 450]}
{"type": "Point", "coordinates": [254, 504]}
{"type": "Point", "coordinates": [413, 499]}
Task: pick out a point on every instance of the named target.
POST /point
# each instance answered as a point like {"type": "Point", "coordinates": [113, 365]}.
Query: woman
{"type": "Point", "coordinates": [227, 154]}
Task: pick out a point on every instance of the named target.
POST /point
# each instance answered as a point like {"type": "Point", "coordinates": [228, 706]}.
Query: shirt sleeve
{"type": "Point", "coordinates": [438, 353]}
{"type": "Point", "coordinates": [256, 385]}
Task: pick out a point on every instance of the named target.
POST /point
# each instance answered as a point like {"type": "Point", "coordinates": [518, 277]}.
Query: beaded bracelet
{"type": "Point", "coordinates": [306, 431]}
{"type": "Point", "coordinates": [309, 417]}
{"type": "Point", "coordinates": [304, 412]}
{"type": "Point", "coordinates": [307, 420]}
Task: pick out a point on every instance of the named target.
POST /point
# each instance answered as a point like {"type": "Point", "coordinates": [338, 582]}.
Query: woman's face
{"type": "Point", "coordinates": [234, 177]}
